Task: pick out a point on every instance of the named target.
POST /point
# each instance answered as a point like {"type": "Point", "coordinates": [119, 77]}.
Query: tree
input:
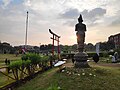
{"type": "Point", "coordinates": [74, 47]}
{"type": "Point", "coordinates": [5, 47]}
{"type": "Point", "coordinates": [106, 46]}
{"type": "Point", "coordinates": [110, 45]}
{"type": "Point", "coordinates": [89, 47]}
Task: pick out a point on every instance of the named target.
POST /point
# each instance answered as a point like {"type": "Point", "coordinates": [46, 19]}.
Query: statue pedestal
{"type": "Point", "coordinates": [81, 60]}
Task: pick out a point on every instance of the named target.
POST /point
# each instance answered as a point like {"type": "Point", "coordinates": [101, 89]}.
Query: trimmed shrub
{"type": "Point", "coordinates": [100, 54]}
{"type": "Point", "coordinates": [19, 63]}
{"type": "Point", "coordinates": [15, 64]}
{"type": "Point", "coordinates": [24, 57]}
{"type": "Point", "coordinates": [35, 58]}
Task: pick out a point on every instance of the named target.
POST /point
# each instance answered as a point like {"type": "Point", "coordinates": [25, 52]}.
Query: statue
{"type": "Point", "coordinates": [80, 28]}
{"type": "Point", "coordinates": [81, 57]}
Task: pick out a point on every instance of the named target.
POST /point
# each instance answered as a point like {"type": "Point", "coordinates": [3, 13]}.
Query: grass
{"type": "Point", "coordinates": [10, 57]}
{"type": "Point", "coordinates": [95, 78]}
{"type": "Point", "coordinates": [3, 79]}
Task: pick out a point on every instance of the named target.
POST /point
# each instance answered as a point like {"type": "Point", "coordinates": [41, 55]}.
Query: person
{"type": "Point", "coordinates": [6, 61]}
{"type": "Point", "coordinates": [113, 59]}
{"type": "Point", "coordinates": [73, 60]}
{"type": "Point", "coordinates": [96, 58]}
{"type": "Point", "coordinates": [116, 56]}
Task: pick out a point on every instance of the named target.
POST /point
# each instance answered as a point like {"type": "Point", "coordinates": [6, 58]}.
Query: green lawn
{"type": "Point", "coordinates": [10, 57]}
{"type": "Point", "coordinates": [95, 78]}
{"type": "Point", "coordinates": [3, 79]}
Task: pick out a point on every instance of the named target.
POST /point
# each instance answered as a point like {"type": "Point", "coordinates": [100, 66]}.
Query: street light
{"type": "Point", "coordinates": [26, 30]}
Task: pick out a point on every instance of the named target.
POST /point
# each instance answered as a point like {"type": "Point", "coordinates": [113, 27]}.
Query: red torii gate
{"type": "Point", "coordinates": [56, 38]}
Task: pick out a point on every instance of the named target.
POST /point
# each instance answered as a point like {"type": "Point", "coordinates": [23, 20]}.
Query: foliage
{"type": "Point", "coordinates": [35, 58]}
{"type": "Point", "coordinates": [32, 59]}
{"type": "Point", "coordinates": [26, 63]}
{"type": "Point", "coordinates": [105, 54]}
{"type": "Point", "coordinates": [17, 64]}
{"type": "Point", "coordinates": [89, 47]}
{"type": "Point", "coordinates": [24, 57]}
{"type": "Point", "coordinates": [111, 53]}
{"type": "Point", "coordinates": [5, 47]}
{"type": "Point", "coordinates": [45, 58]}
{"type": "Point", "coordinates": [54, 87]}
{"type": "Point", "coordinates": [106, 46]}
{"type": "Point", "coordinates": [118, 50]}
{"type": "Point", "coordinates": [91, 54]}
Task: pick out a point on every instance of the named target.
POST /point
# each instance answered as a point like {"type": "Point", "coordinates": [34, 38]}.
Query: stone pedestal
{"type": "Point", "coordinates": [81, 60]}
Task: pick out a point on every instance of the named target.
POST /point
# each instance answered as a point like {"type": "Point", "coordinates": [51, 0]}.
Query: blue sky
{"type": "Point", "coordinates": [102, 18]}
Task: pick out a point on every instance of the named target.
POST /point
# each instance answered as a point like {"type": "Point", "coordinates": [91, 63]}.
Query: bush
{"type": "Point", "coordinates": [111, 53]}
{"type": "Point", "coordinates": [105, 55]}
{"type": "Point", "coordinates": [19, 63]}
{"type": "Point", "coordinates": [15, 64]}
{"type": "Point", "coordinates": [35, 58]}
{"type": "Point", "coordinates": [118, 50]}
{"type": "Point", "coordinates": [24, 57]}
{"type": "Point", "coordinates": [26, 63]}
{"type": "Point", "coordinates": [100, 54]}
{"type": "Point", "coordinates": [31, 59]}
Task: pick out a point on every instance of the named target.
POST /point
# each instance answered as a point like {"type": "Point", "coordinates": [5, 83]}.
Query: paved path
{"type": "Point", "coordinates": [110, 64]}
{"type": "Point", "coordinates": [2, 69]}
{"type": "Point", "coordinates": [70, 64]}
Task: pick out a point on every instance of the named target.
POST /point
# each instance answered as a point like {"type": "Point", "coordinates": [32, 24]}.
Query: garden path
{"type": "Point", "coordinates": [70, 64]}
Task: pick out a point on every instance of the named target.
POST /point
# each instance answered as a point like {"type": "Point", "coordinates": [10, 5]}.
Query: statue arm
{"type": "Point", "coordinates": [75, 27]}
{"type": "Point", "coordinates": [85, 28]}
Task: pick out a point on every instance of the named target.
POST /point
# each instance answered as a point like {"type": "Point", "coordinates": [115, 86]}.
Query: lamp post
{"type": "Point", "coordinates": [40, 46]}
{"type": "Point", "coordinates": [26, 30]}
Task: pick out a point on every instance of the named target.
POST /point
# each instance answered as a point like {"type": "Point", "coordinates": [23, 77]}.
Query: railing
{"type": "Point", "coordinates": [9, 76]}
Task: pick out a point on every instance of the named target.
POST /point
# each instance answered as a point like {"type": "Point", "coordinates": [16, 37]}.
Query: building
{"type": "Point", "coordinates": [116, 39]}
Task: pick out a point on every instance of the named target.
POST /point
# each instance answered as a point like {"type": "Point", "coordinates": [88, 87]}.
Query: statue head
{"type": "Point", "coordinates": [80, 19]}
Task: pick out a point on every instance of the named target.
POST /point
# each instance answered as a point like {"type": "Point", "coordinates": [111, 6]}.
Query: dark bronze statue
{"type": "Point", "coordinates": [80, 28]}
{"type": "Point", "coordinates": [80, 57]}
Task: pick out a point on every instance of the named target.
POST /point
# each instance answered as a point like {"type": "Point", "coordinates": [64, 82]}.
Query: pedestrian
{"type": "Point", "coordinates": [73, 60]}
{"type": "Point", "coordinates": [116, 56]}
{"type": "Point", "coordinates": [96, 58]}
{"type": "Point", "coordinates": [6, 61]}
{"type": "Point", "coordinates": [113, 59]}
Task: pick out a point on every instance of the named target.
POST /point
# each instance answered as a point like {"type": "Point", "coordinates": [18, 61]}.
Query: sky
{"type": "Point", "coordinates": [102, 18]}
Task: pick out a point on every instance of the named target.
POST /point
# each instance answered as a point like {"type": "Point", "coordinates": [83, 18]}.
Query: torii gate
{"type": "Point", "coordinates": [56, 38]}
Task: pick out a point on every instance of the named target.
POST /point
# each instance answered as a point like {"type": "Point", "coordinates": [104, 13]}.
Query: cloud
{"type": "Point", "coordinates": [115, 20]}
{"type": "Point", "coordinates": [94, 13]}
{"type": "Point", "coordinates": [6, 2]}
{"type": "Point", "coordinates": [93, 16]}
{"type": "Point", "coordinates": [70, 14]}
{"type": "Point", "coordinates": [58, 15]}
{"type": "Point", "coordinates": [90, 17]}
